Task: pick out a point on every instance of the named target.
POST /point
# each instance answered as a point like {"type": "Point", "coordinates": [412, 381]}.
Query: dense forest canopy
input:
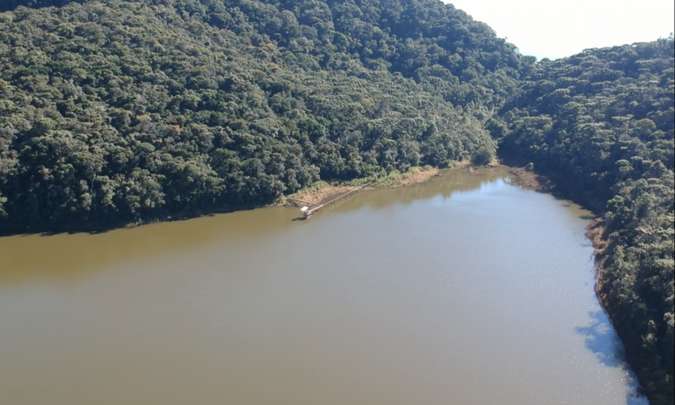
{"type": "Point", "coordinates": [123, 110]}
{"type": "Point", "coordinates": [114, 111]}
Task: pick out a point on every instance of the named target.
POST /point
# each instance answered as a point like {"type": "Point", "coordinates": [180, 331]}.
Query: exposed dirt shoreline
{"type": "Point", "coordinates": [528, 179]}
{"type": "Point", "coordinates": [322, 192]}
{"type": "Point", "coordinates": [595, 232]}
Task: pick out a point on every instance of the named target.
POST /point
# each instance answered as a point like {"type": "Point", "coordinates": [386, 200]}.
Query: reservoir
{"type": "Point", "coordinates": [463, 290]}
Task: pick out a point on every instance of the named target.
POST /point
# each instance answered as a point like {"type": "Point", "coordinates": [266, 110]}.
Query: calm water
{"type": "Point", "coordinates": [465, 290]}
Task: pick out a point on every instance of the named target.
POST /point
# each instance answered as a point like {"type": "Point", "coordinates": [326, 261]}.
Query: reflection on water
{"type": "Point", "coordinates": [464, 290]}
{"type": "Point", "coordinates": [67, 257]}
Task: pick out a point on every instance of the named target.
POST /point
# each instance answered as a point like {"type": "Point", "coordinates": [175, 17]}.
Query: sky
{"type": "Point", "coordinates": [558, 28]}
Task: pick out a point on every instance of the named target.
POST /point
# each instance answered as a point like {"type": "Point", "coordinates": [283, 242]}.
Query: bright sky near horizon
{"type": "Point", "coordinates": [554, 29]}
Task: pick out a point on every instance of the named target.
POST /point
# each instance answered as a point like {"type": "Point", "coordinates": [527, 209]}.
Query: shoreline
{"type": "Point", "coordinates": [322, 192]}
{"type": "Point", "coordinates": [528, 179]}
{"type": "Point", "coordinates": [314, 195]}
{"type": "Point", "coordinates": [595, 232]}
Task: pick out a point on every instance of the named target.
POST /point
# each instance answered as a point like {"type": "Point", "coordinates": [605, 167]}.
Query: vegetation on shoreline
{"type": "Point", "coordinates": [316, 194]}
{"type": "Point", "coordinates": [414, 175]}
{"type": "Point", "coordinates": [528, 179]}
{"type": "Point", "coordinates": [322, 191]}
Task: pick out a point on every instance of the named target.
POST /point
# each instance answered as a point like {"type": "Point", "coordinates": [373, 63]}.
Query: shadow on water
{"type": "Point", "coordinates": [633, 398]}
{"type": "Point", "coordinates": [68, 257]}
{"type": "Point", "coordinates": [599, 338]}
{"type": "Point", "coordinates": [602, 341]}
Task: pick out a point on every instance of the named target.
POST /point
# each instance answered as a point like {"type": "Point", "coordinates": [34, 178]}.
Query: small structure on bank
{"type": "Point", "coordinates": [307, 211]}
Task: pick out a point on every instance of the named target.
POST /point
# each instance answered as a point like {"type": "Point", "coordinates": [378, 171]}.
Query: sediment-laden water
{"type": "Point", "coordinates": [463, 290]}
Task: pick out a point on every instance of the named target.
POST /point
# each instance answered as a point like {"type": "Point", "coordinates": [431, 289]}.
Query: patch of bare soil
{"type": "Point", "coordinates": [528, 179]}
{"type": "Point", "coordinates": [416, 176]}
{"type": "Point", "coordinates": [317, 194]}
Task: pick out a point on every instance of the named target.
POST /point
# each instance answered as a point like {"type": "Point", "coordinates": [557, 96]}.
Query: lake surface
{"type": "Point", "coordinates": [463, 290]}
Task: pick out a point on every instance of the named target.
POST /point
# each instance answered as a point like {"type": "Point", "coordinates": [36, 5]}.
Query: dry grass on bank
{"type": "Point", "coordinates": [317, 194]}
{"type": "Point", "coordinates": [322, 191]}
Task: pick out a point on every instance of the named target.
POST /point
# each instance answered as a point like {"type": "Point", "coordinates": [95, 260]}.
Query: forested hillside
{"type": "Point", "coordinates": [116, 111]}
{"type": "Point", "coordinates": [601, 125]}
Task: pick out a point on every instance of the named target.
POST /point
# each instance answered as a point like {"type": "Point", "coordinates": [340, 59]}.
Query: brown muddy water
{"type": "Point", "coordinates": [463, 290]}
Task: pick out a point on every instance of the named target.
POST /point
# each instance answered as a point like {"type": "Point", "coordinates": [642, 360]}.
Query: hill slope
{"type": "Point", "coordinates": [118, 110]}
